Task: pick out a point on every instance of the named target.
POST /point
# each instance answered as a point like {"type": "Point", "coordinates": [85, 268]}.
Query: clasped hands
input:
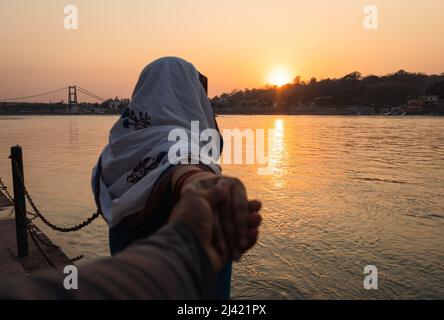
{"type": "Point", "coordinates": [220, 213]}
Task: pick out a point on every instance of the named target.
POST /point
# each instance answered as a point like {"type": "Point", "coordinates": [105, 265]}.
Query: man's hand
{"type": "Point", "coordinates": [235, 212]}
{"type": "Point", "coordinates": [196, 209]}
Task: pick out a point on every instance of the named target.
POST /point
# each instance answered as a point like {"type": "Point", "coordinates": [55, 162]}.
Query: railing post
{"type": "Point", "coordinates": [19, 201]}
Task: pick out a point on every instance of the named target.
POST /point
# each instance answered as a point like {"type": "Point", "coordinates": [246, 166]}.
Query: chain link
{"type": "Point", "coordinates": [33, 228]}
{"type": "Point", "coordinates": [35, 237]}
{"type": "Point", "coordinates": [5, 190]}
{"type": "Point", "coordinates": [74, 260]}
{"type": "Point", "coordinates": [10, 198]}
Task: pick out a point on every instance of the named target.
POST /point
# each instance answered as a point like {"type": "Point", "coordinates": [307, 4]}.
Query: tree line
{"type": "Point", "coordinates": [353, 89]}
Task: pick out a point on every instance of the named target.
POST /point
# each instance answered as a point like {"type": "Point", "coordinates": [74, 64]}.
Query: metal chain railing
{"type": "Point", "coordinates": [46, 221]}
{"type": "Point", "coordinates": [75, 259]}
{"type": "Point", "coordinates": [34, 237]}
{"type": "Point", "coordinates": [37, 234]}
{"type": "Point", "coordinates": [11, 199]}
{"type": "Point", "coordinates": [39, 241]}
{"type": "Point", "coordinates": [32, 228]}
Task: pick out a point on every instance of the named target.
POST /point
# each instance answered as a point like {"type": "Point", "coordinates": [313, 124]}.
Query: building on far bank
{"type": "Point", "coordinates": [429, 104]}
{"type": "Point", "coordinates": [423, 101]}
{"type": "Point", "coordinates": [114, 104]}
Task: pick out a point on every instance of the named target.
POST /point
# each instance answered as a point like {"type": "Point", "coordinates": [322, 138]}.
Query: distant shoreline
{"type": "Point", "coordinates": [425, 106]}
{"type": "Point", "coordinates": [18, 116]}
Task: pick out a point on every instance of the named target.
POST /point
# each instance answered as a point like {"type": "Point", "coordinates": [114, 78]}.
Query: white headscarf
{"type": "Point", "coordinates": [167, 96]}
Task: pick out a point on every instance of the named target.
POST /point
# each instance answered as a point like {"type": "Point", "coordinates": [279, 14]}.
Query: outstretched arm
{"type": "Point", "coordinates": [172, 264]}
{"type": "Point", "coordinates": [178, 262]}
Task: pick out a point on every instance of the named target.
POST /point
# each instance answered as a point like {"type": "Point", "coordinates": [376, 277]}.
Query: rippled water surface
{"type": "Point", "coordinates": [347, 192]}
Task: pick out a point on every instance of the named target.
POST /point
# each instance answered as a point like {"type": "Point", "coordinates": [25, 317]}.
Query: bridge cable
{"type": "Point", "coordinates": [36, 95]}
{"type": "Point", "coordinates": [89, 93]}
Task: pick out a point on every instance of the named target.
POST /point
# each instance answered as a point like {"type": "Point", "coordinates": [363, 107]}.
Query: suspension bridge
{"type": "Point", "coordinates": [71, 91]}
{"type": "Point", "coordinates": [23, 104]}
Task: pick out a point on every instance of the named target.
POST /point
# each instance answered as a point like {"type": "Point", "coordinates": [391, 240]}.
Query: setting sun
{"type": "Point", "coordinates": [279, 77]}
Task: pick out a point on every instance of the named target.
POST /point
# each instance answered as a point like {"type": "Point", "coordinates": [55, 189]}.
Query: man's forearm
{"type": "Point", "coordinates": [172, 264]}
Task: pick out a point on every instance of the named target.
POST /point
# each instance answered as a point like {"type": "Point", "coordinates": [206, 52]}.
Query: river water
{"type": "Point", "coordinates": [347, 192]}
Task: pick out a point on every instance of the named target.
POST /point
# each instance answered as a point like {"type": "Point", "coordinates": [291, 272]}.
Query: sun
{"type": "Point", "coordinates": [279, 77]}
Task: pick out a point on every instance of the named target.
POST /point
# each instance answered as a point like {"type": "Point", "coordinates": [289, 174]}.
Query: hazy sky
{"type": "Point", "coordinates": [236, 43]}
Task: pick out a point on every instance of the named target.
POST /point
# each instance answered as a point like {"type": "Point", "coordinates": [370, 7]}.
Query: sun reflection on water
{"type": "Point", "coordinates": [276, 154]}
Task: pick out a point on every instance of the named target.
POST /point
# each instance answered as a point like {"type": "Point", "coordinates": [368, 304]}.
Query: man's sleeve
{"type": "Point", "coordinates": [171, 264]}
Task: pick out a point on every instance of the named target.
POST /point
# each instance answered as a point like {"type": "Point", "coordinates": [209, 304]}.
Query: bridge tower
{"type": "Point", "coordinates": [72, 95]}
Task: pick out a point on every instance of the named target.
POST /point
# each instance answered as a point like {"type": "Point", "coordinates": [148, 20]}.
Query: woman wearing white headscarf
{"type": "Point", "coordinates": [136, 185]}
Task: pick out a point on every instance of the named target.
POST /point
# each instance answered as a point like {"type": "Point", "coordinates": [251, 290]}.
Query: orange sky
{"type": "Point", "coordinates": [236, 43]}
